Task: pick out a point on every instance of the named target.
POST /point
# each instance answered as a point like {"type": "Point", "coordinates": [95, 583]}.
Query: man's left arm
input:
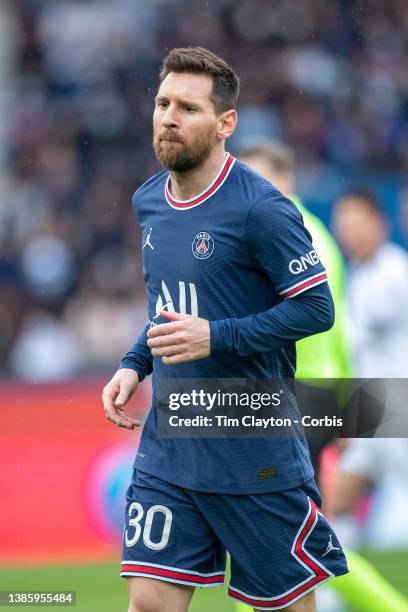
{"type": "Point", "coordinates": [277, 239]}
{"type": "Point", "coordinates": [310, 313]}
{"type": "Point", "coordinates": [188, 338]}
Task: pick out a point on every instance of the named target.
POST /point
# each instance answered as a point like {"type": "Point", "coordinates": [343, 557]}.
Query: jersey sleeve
{"type": "Point", "coordinates": [139, 357]}
{"type": "Point", "coordinates": [282, 246]}
{"type": "Point", "coordinates": [309, 313]}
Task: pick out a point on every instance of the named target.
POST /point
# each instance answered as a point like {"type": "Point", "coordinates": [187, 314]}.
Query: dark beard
{"type": "Point", "coordinates": [185, 158]}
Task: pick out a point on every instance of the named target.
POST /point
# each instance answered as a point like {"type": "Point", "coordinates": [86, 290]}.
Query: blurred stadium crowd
{"type": "Point", "coordinates": [78, 79]}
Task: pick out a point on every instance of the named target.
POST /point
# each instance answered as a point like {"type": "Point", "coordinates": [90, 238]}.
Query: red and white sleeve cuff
{"type": "Point", "coordinates": [304, 285]}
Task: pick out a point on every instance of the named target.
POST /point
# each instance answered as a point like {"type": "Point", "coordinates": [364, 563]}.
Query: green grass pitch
{"type": "Point", "coordinates": [99, 587]}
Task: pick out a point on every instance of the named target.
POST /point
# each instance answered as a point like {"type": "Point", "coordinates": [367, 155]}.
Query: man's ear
{"type": "Point", "coordinates": [227, 123]}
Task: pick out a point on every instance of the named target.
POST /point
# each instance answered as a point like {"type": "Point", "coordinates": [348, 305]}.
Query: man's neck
{"type": "Point", "coordinates": [187, 185]}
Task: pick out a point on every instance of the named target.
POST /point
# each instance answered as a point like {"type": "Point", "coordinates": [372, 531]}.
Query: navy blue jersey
{"type": "Point", "coordinates": [239, 256]}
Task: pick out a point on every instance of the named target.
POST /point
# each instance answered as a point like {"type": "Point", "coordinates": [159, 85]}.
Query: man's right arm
{"type": "Point", "coordinates": [139, 357]}
{"type": "Point", "coordinates": [136, 364]}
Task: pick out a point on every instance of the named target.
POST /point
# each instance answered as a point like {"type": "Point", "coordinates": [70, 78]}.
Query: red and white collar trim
{"type": "Point", "coordinates": [207, 193]}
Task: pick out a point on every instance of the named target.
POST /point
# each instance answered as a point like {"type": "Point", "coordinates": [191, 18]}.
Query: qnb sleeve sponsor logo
{"type": "Point", "coordinates": [296, 266]}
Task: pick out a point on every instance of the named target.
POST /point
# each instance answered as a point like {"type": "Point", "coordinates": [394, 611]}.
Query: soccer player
{"type": "Point", "coordinates": [232, 283]}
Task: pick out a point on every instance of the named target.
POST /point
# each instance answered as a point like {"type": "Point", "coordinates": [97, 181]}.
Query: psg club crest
{"type": "Point", "coordinates": [203, 245]}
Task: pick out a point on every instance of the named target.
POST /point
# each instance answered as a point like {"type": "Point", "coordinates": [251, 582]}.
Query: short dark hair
{"type": "Point", "coordinates": [197, 60]}
{"type": "Point", "coordinates": [278, 155]}
{"type": "Point", "coordinates": [365, 197]}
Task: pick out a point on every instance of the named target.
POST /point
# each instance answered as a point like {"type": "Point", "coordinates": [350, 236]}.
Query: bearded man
{"type": "Point", "coordinates": [233, 281]}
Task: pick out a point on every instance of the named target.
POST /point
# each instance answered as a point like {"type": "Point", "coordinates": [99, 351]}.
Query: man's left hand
{"type": "Point", "coordinates": [184, 338]}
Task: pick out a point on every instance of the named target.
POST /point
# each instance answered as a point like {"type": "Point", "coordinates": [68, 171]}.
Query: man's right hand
{"type": "Point", "coordinates": [116, 394]}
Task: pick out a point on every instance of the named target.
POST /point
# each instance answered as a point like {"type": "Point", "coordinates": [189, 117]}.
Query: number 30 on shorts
{"type": "Point", "coordinates": [136, 509]}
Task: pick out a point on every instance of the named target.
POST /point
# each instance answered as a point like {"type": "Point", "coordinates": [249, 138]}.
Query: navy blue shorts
{"type": "Point", "coordinates": [280, 544]}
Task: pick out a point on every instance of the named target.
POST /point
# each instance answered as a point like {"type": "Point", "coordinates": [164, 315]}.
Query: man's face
{"type": "Point", "coordinates": [185, 123]}
{"type": "Point", "coordinates": [359, 230]}
{"type": "Point", "coordinates": [284, 180]}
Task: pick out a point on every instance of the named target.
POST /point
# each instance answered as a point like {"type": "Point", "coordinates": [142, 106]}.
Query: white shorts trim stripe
{"type": "Point", "coordinates": [173, 580]}
{"type": "Point", "coordinates": [172, 568]}
{"type": "Point", "coordinates": [171, 574]}
{"type": "Point", "coordinates": [272, 607]}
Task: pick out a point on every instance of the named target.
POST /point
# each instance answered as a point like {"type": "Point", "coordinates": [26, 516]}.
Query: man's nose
{"type": "Point", "coordinates": [169, 118]}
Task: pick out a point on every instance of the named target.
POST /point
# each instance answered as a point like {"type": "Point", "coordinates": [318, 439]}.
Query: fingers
{"type": "Point", "coordinates": [133, 422]}
{"type": "Point", "coordinates": [114, 397]}
{"type": "Point", "coordinates": [114, 415]}
{"type": "Point", "coordinates": [180, 358]}
{"type": "Point", "coordinates": [121, 420]}
{"type": "Point", "coordinates": [123, 397]}
{"type": "Point", "coordinates": [117, 416]}
{"type": "Point", "coordinates": [168, 340]}
{"type": "Point", "coordinates": [108, 398]}
{"type": "Point", "coordinates": [165, 351]}
{"type": "Point", "coordinates": [164, 329]}
{"type": "Point", "coordinates": [180, 341]}
{"type": "Point", "coordinates": [109, 395]}
{"type": "Point", "coordinates": [173, 316]}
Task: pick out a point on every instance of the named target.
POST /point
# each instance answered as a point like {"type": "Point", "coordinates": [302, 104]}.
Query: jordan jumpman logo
{"type": "Point", "coordinates": [147, 241]}
{"type": "Point", "coordinates": [330, 546]}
